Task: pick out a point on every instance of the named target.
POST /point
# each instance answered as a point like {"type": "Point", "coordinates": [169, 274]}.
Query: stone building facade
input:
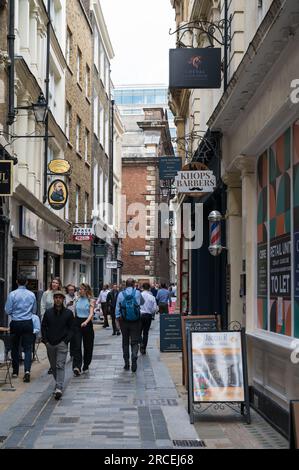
{"type": "Point", "coordinates": [257, 116]}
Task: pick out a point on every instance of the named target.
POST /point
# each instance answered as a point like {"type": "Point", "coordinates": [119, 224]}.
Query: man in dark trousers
{"type": "Point", "coordinates": [130, 328]}
{"type": "Point", "coordinates": [111, 304]}
{"type": "Point", "coordinates": [20, 306]}
{"type": "Point", "coordinates": [57, 331]}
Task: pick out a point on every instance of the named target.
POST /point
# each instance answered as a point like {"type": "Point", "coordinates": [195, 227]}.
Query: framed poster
{"type": "Point", "coordinates": [196, 323]}
{"type": "Point", "coordinates": [218, 369]}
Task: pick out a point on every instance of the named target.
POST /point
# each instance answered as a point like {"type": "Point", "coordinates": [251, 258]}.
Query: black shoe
{"type": "Point", "coordinates": [127, 366]}
{"type": "Point", "coordinates": [142, 350]}
{"type": "Point", "coordinates": [57, 394]}
{"type": "Point", "coordinates": [26, 377]}
{"type": "Point", "coordinates": [76, 372]}
{"type": "Point", "coordinates": [85, 369]}
{"type": "Point", "coordinates": [134, 366]}
{"type": "Point", "coordinates": [114, 333]}
{"type": "Point", "coordinates": [50, 371]}
{"type": "Point", "coordinates": [118, 333]}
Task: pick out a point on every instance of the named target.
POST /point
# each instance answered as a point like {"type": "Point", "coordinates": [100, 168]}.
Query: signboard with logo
{"type": "Point", "coordinates": [169, 167]}
{"type": "Point", "coordinates": [57, 194]}
{"type": "Point", "coordinates": [100, 251]}
{"type": "Point", "coordinates": [72, 251]}
{"type": "Point", "coordinates": [217, 369]}
{"type": "Point", "coordinates": [59, 167]}
{"type": "Point", "coordinates": [83, 233]}
{"type": "Point", "coordinates": [195, 182]}
{"type": "Point", "coordinates": [195, 68]}
{"type": "Point", "coordinates": [6, 177]}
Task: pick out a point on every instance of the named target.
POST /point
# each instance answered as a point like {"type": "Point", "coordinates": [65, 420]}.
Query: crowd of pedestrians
{"type": "Point", "coordinates": [66, 323]}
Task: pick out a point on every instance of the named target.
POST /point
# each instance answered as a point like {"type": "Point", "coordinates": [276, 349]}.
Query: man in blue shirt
{"type": "Point", "coordinates": [20, 306]}
{"type": "Point", "coordinates": [163, 299]}
{"type": "Point", "coordinates": [130, 329]}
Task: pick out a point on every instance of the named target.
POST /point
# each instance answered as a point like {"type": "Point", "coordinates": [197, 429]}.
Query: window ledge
{"type": "Point", "coordinates": [70, 69]}
{"type": "Point", "coordinates": [70, 145]}
{"type": "Point", "coordinates": [79, 86]}
{"type": "Point", "coordinates": [88, 100]}
{"type": "Point", "coordinates": [87, 163]}
{"type": "Point", "coordinates": [79, 154]}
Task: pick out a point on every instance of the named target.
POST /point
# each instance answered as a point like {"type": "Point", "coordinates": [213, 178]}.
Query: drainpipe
{"type": "Point", "coordinates": [111, 162]}
{"type": "Point", "coordinates": [47, 82]}
{"type": "Point", "coordinates": [11, 67]}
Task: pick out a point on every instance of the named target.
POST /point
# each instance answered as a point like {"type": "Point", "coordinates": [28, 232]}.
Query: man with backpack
{"type": "Point", "coordinates": [128, 313]}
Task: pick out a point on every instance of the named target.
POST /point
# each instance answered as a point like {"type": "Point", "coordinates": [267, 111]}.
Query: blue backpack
{"type": "Point", "coordinates": [129, 307]}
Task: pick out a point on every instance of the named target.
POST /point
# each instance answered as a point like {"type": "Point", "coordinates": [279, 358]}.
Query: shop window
{"type": "Point", "coordinates": [277, 213]}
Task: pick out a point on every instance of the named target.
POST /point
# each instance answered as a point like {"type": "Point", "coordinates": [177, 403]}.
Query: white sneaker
{"type": "Point", "coordinates": [57, 394]}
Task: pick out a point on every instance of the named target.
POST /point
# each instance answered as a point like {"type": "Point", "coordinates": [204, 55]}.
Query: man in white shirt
{"type": "Point", "coordinates": [146, 310]}
{"type": "Point", "coordinates": [103, 301]}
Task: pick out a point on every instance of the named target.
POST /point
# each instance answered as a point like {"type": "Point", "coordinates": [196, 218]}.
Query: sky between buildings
{"type": "Point", "coordinates": [138, 31]}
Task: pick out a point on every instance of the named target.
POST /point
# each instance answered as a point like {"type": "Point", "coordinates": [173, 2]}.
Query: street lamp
{"type": "Point", "coordinates": [40, 109]}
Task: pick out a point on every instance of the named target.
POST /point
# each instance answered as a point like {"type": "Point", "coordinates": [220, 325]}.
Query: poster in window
{"type": "Point", "coordinates": [262, 238]}
{"type": "Point", "coordinates": [296, 227]}
{"type": "Point", "coordinates": [217, 367]}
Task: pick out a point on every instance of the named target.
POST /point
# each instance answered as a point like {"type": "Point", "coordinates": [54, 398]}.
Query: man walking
{"type": "Point", "coordinates": [21, 305]}
{"type": "Point", "coordinates": [146, 310]}
{"type": "Point", "coordinates": [57, 331]}
{"type": "Point", "coordinates": [163, 299]}
{"type": "Point", "coordinates": [111, 303]}
{"type": "Point", "coordinates": [128, 313]}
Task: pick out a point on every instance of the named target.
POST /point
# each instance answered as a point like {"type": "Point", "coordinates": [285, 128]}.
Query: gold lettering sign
{"type": "Point", "coordinates": [59, 166]}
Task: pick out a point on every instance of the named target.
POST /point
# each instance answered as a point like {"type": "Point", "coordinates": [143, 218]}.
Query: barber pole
{"type": "Point", "coordinates": [215, 247]}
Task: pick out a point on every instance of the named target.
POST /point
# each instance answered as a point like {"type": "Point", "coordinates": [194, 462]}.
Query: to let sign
{"type": "Point", "coordinates": [195, 182]}
{"type": "Point", "coordinates": [6, 176]}
{"type": "Point", "coordinates": [83, 234]}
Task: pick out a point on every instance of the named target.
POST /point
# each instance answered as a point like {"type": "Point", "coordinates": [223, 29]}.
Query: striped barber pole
{"type": "Point", "coordinates": [215, 234]}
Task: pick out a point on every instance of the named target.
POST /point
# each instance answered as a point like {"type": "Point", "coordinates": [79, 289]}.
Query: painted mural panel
{"type": "Point", "coordinates": [280, 235]}
{"type": "Point", "coordinates": [296, 227]}
{"type": "Point", "coordinates": [262, 242]}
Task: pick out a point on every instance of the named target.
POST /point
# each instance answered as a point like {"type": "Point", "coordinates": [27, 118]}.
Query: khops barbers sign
{"type": "Point", "coordinates": [195, 182]}
{"type": "Point", "coordinates": [195, 68]}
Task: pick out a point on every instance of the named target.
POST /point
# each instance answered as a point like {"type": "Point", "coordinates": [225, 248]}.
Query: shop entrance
{"type": "Point", "coordinates": [51, 268]}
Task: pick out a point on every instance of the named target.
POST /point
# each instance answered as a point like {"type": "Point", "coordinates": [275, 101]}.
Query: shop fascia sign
{"type": "Point", "coordinates": [81, 234]}
{"type": "Point", "coordinates": [196, 181]}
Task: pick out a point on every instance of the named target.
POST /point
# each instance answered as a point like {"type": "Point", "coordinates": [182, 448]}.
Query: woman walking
{"type": "Point", "coordinates": [84, 308]}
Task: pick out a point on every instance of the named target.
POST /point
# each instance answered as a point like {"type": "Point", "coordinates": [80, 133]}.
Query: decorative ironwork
{"type": "Point", "coordinates": [235, 326]}
{"type": "Point", "coordinates": [219, 32]}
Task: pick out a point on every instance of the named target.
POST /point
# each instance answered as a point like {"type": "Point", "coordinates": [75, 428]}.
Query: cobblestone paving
{"type": "Point", "coordinates": [108, 407]}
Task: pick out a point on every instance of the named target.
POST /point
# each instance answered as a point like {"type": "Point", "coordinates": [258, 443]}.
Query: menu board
{"type": "Point", "coordinates": [170, 333]}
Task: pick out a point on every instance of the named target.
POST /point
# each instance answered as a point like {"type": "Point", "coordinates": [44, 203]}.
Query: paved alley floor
{"type": "Point", "coordinates": [110, 408]}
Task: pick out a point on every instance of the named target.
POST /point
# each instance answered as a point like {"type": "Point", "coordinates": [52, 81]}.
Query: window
{"type": "Point", "coordinates": [68, 117]}
{"type": "Point", "coordinates": [107, 134]}
{"type": "Point", "coordinates": [101, 189]}
{"type": "Point", "coordinates": [78, 134]}
{"type": "Point", "coordinates": [86, 140]}
{"type": "Point", "coordinates": [96, 115]}
{"type": "Point", "coordinates": [77, 204]}
{"type": "Point", "coordinates": [277, 254]}
{"type": "Point", "coordinates": [86, 208]}
{"type": "Point", "coordinates": [102, 63]}
{"type": "Point", "coordinates": [95, 186]}
{"type": "Point", "coordinates": [96, 49]}
{"type": "Point", "coordinates": [68, 54]}
{"type": "Point", "coordinates": [87, 81]}
{"type": "Point", "coordinates": [102, 124]}
{"type": "Point", "coordinates": [79, 66]}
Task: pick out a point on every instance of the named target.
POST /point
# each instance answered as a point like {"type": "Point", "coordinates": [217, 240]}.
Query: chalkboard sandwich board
{"type": "Point", "coordinates": [170, 333]}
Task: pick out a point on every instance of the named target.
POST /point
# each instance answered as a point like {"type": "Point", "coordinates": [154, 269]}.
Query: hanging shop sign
{"type": "Point", "coordinates": [195, 68]}
{"type": "Point", "coordinates": [6, 177]}
{"type": "Point", "coordinates": [59, 167]}
{"type": "Point", "coordinates": [83, 234]}
{"type": "Point", "coordinates": [57, 194]}
{"type": "Point", "coordinates": [99, 251]}
{"type": "Point", "coordinates": [72, 251]}
{"type": "Point", "coordinates": [169, 167]}
{"type": "Point", "coordinates": [217, 369]}
{"type": "Point", "coordinates": [194, 182]}
{"type": "Point", "coordinates": [111, 265]}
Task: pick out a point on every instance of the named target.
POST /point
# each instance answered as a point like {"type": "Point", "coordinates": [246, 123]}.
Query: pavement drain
{"type": "Point", "coordinates": [188, 443]}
